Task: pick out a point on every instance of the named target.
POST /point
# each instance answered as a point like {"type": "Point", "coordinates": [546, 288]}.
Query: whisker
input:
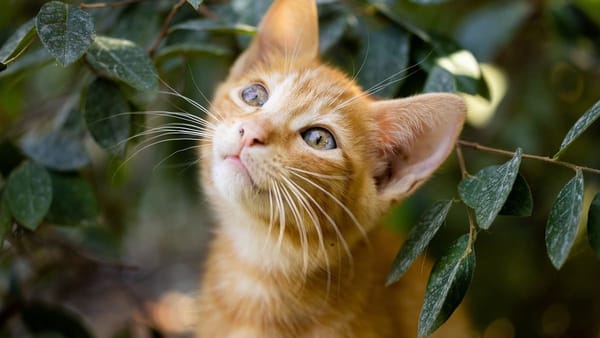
{"type": "Point", "coordinates": [188, 117]}
{"type": "Point", "coordinates": [281, 213]}
{"type": "Point", "coordinates": [333, 177]}
{"type": "Point", "coordinates": [191, 102]}
{"type": "Point", "coordinates": [299, 227]}
{"type": "Point", "coordinates": [175, 153]}
{"type": "Point", "coordinates": [388, 81]}
{"type": "Point", "coordinates": [337, 201]}
{"type": "Point", "coordinates": [300, 193]}
{"type": "Point", "coordinates": [196, 84]}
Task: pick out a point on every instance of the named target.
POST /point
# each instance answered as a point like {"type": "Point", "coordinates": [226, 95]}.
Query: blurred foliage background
{"type": "Point", "coordinates": [119, 250]}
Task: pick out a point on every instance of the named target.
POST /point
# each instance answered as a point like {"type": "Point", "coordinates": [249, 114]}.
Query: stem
{"type": "Point", "coordinates": [477, 146]}
{"type": "Point", "coordinates": [108, 4]}
{"type": "Point", "coordinates": [465, 173]}
{"type": "Point", "coordinates": [165, 27]}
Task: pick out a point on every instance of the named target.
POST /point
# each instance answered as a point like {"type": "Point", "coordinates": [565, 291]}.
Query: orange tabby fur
{"type": "Point", "coordinates": [297, 252]}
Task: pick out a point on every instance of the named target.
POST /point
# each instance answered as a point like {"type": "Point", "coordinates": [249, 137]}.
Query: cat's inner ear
{"type": "Point", "coordinates": [289, 31]}
{"type": "Point", "coordinates": [416, 135]}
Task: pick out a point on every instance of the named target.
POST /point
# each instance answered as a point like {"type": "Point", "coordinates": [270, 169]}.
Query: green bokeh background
{"type": "Point", "coordinates": [153, 221]}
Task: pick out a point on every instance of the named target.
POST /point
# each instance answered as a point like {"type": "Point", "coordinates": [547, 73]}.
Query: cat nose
{"type": "Point", "coordinates": [251, 134]}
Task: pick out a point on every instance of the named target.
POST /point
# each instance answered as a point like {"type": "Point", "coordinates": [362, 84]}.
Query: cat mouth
{"type": "Point", "coordinates": [236, 162]}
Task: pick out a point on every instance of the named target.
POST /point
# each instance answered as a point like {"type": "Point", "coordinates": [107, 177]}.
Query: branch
{"type": "Point", "coordinates": [477, 146]}
{"type": "Point", "coordinates": [108, 4]}
{"type": "Point", "coordinates": [465, 173]}
{"type": "Point", "coordinates": [165, 27]}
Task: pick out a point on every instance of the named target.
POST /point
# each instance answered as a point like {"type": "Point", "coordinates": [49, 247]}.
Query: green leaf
{"type": "Point", "coordinates": [192, 49]}
{"type": "Point", "coordinates": [563, 220]}
{"type": "Point", "coordinates": [486, 30]}
{"type": "Point", "coordinates": [214, 26]}
{"type": "Point", "coordinates": [60, 149]}
{"type": "Point", "coordinates": [440, 81]}
{"type": "Point", "coordinates": [447, 285]}
{"type": "Point", "coordinates": [488, 190]}
{"type": "Point", "coordinates": [579, 127]}
{"type": "Point", "coordinates": [29, 194]}
{"type": "Point", "coordinates": [333, 23]}
{"type": "Point", "coordinates": [195, 3]}
{"type": "Point", "coordinates": [18, 40]}
{"type": "Point", "coordinates": [519, 201]}
{"type": "Point", "coordinates": [249, 12]}
{"type": "Point", "coordinates": [92, 240]}
{"type": "Point", "coordinates": [28, 63]}
{"type": "Point", "coordinates": [593, 224]}
{"type": "Point", "coordinates": [140, 24]}
{"type": "Point", "coordinates": [123, 60]}
{"type": "Point", "coordinates": [45, 318]}
{"type": "Point", "coordinates": [418, 239]}
{"type": "Point", "coordinates": [428, 2]}
{"type": "Point", "coordinates": [5, 218]}
{"type": "Point", "coordinates": [384, 56]}
{"type": "Point", "coordinates": [106, 116]}
{"type": "Point", "coordinates": [65, 30]}
{"type": "Point", "coordinates": [74, 202]}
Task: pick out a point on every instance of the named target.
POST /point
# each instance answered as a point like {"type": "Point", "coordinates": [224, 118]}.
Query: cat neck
{"type": "Point", "coordinates": [267, 248]}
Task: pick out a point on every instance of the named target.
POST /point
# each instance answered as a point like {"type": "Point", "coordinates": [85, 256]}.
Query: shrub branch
{"type": "Point", "coordinates": [477, 146]}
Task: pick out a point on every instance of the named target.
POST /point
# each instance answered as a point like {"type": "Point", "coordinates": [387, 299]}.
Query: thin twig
{"type": "Point", "coordinates": [546, 159]}
{"type": "Point", "coordinates": [461, 162]}
{"type": "Point", "coordinates": [165, 27]}
{"type": "Point", "coordinates": [108, 4]}
{"type": "Point", "coordinates": [202, 9]}
{"type": "Point", "coordinates": [465, 173]}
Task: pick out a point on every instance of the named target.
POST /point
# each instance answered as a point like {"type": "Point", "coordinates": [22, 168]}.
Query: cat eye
{"type": "Point", "coordinates": [319, 138]}
{"type": "Point", "coordinates": [255, 95]}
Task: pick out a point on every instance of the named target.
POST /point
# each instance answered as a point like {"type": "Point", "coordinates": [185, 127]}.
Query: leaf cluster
{"type": "Point", "coordinates": [494, 190]}
{"type": "Point", "coordinates": [99, 63]}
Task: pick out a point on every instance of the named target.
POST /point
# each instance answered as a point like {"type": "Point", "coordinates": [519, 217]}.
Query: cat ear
{"type": "Point", "coordinates": [416, 136]}
{"type": "Point", "coordinates": [289, 30]}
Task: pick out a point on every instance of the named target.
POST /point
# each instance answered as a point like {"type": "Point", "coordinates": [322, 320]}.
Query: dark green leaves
{"type": "Point", "coordinates": [29, 194]}
{"type": "Point", "coordinates": [564, 219]}
{"type": "Point", "coordinates": [593, 224]}
{"type": "Point", "coordinates": [17, 41]}
{"type": "Point", "coordinates": [519, 201]}
{"type": "Point", "coordinates": [5, 218]}
{"type": "Point", "coordinates": [418, 238]}
{"type": "Point", "coordinates": [440, 81]}
{"type": "Point", "coordinates": [447, 286]}
{"type": "Point", "coordinates": [106, 116]}
{"type": "Point", "coordinates": [488, 190]}
{"type": "Point", "coordinates": [579, 127]}
{"type": "Point", "coordinates": [59, 149]}
{"type": "Point", "coordinates": [428, 2]}
{"type": "Point", "coordinates": [213, 26]}
{"type": "Point", "coordinates": [65, 30]}
{"type": "Point", "coordinates": [123, 60]}
{"type": "Point", "coordinates": [385, 53]}
{"type": "Point", "coordinates": [74, 202]}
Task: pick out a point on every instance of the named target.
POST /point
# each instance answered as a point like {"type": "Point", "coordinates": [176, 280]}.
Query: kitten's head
{"type": "Point", "coordinates": [296, 141]}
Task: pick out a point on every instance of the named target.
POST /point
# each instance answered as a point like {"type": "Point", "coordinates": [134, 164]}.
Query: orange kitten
{"type": "Point", "coordinates": [299, 166]}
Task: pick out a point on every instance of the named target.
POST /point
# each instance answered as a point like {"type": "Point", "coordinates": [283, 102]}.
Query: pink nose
{"type": "Point", "coordinates": [251, 134]}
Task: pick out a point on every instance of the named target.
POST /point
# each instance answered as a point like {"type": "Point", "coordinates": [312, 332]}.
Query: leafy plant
{"type": "Point", "coordinates": [65, 175]}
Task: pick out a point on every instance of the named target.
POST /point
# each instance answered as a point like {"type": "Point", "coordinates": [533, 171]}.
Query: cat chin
{"type": "Point", "coordinates": [234, 182]}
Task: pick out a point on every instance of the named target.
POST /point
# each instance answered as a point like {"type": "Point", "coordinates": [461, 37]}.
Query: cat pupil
{"type": "Point", "coordinates": [319, 138]}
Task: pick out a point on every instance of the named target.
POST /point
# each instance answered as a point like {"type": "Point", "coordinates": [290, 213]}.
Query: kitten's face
{"type": "Point", "coordinates": [291, 138]}
{"type": "Point", "coordinates": [296, 143]}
